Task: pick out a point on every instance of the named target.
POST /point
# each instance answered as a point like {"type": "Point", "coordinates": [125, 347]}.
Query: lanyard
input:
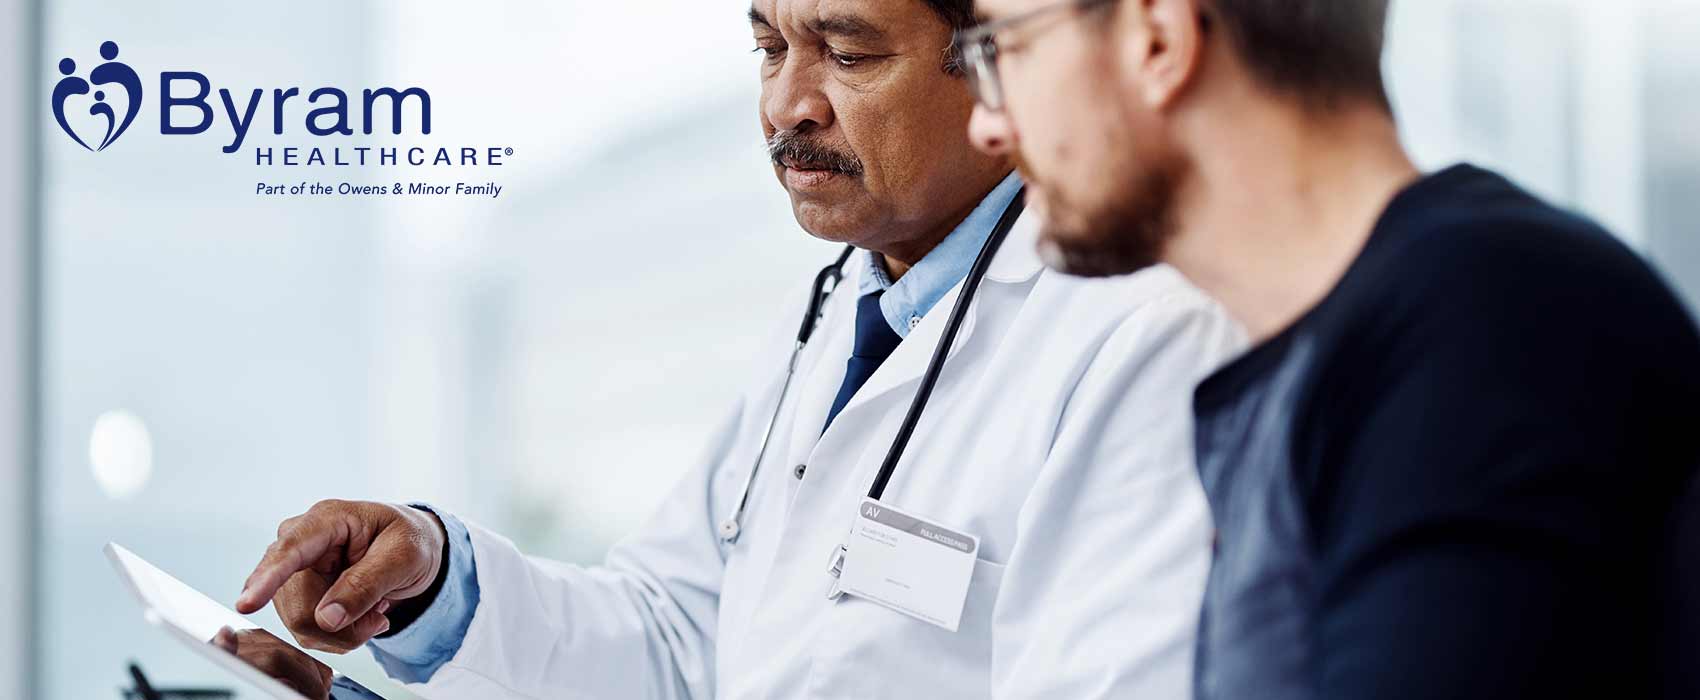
{"type": "Point", "coordinates": [825, 283]}
{"type": "Point", "coordinates": [958, 314]}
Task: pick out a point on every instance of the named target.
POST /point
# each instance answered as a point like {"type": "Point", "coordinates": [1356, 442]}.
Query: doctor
{"type": "Point", "coordinates": [1026, 435]}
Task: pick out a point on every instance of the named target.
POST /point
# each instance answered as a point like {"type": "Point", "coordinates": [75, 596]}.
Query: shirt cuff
{"type": "Point", "coordinates": [414, 654]}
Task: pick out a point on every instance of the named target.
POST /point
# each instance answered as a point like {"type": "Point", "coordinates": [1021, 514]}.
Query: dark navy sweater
{"type": "Point", "coordinates": [1456, 476]}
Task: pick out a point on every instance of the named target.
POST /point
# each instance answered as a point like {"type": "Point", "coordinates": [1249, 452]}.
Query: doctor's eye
{"type": "Point", "coordinates": [770, 51]}
{"type": "Point", "coordinates": [848, 60]}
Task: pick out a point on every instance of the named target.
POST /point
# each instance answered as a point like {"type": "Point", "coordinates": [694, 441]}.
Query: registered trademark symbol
{"type": "Point", "coordinates": [509, 150]}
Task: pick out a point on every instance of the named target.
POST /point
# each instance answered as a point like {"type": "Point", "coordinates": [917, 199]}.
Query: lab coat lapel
{"type": "Point", "coordinates": [842, 462]}
{"type": "Point", "coordinates": [907, 364]}
{"type": "Point", "coordinates": [1017, 262]}
{"type": "Point", "coordinates": [835, 338]}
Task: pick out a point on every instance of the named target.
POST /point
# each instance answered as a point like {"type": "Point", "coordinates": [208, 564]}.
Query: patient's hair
{"type": "Point", "coordinates": [1321, 51]}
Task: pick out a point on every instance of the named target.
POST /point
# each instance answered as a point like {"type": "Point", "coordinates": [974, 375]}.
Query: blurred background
{"type": "Point", "coordinates": [183, 364]}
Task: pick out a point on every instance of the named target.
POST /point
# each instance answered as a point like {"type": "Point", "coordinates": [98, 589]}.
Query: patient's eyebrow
{"type": "Point", "coordinates": [847, 26]}
{"type": "Point", "coordinates": [757, 18]}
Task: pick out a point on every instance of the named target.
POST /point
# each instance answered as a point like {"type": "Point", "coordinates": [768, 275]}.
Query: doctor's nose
{"type": "Point", "coordinates": [992, 132]}
{"type": "Point", "coordinates": [793, 100]}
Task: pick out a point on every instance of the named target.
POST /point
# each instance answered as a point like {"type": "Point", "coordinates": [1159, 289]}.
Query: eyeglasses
{"type": "Point", "coordinates": [979, 48]}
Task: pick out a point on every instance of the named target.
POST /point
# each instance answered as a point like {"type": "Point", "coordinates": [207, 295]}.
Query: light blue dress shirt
{"type": "Point", "coordinates": [416, 652]}
{"type": "Point", "coordinates": [908, 300]}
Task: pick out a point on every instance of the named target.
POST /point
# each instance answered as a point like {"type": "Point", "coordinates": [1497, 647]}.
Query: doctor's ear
{"type": "Point", "coordinates": [1161, 48]}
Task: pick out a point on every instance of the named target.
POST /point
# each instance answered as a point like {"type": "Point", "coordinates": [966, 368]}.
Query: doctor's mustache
{"type": "Point", "coordinates": [791, 148]}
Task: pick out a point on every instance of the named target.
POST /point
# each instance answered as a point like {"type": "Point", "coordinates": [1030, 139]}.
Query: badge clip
{"type": "Point", "coordinates": [834, 569]}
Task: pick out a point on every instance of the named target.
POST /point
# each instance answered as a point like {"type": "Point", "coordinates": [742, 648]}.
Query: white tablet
{"type": "Point", "coordinates": [230, 640]}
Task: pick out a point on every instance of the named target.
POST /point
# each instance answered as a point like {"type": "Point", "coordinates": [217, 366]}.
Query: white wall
{"type": "Point", "coordinates": [16, 495]}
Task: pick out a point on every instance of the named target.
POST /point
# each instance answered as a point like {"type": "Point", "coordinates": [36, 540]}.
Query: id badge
{"type": "Point", "coordinates": [909, 564]}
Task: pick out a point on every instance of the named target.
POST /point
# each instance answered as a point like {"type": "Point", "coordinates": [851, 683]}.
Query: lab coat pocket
{"type": "Point", "coordinates": [872, 651]}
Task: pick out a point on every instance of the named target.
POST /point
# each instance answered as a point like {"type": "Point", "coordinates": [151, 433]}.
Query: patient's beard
{"type": "Point", "coordinates": [1126, 233]}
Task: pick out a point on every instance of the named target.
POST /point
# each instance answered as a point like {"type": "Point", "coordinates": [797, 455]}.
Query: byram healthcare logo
{"type": "Point", "coordinates": [191, 94]}
{"type": "Point", "coordinates": [111, 73]}
{"type": "Point", "coordinates": [96, 108]}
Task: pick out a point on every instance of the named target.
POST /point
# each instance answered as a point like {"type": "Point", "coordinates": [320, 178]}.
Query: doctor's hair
{"type": "Point", "coordinates": [1320, 51]}
{"type": "Point", "coordinates": [959, 16]}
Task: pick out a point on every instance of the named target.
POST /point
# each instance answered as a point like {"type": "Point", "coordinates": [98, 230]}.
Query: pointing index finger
{"type": "Point", "coordinates": [289, 554]}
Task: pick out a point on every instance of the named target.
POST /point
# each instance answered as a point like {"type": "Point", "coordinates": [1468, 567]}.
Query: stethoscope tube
{"type": "Point", "coordinates": [825, 283]}
{"type": "Point", "coordinates": [958, 315]}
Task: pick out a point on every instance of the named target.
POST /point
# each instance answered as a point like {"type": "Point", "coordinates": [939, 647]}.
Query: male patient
{"type": "Point", "coordinates": [1449, 465]}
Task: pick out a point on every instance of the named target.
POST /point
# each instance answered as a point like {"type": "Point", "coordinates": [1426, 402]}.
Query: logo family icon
{"type": "Point", "coordinates": [109, 73]}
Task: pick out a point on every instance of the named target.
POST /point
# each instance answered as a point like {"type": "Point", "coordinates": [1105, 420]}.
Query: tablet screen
{"type": "Point", "coordinates": [203, 618]}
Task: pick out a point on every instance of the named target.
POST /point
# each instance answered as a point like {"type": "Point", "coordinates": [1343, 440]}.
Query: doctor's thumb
{"type": "Point", "coordinates": [357, 597]}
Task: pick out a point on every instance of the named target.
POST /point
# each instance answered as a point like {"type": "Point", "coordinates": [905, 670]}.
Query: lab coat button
{"type": "Point", "coordinates": [798, 471]}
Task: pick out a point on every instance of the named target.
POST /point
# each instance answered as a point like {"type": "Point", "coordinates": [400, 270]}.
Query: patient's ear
{"type": "Point", "coordinates": [1161, 45]}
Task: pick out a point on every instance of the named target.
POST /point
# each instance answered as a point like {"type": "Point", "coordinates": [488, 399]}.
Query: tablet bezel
{"type": "Point", "coordinates": [117, 554]}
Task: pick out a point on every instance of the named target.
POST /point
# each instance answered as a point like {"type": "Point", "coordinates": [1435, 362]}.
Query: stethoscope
{"type": "Point", "coordinates": [826, 282]}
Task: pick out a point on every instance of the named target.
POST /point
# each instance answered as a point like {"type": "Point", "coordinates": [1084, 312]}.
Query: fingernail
{"type": "Point", "coordinates": [383, 627]}
{"type": "Point", "coordinates": [332, 616]}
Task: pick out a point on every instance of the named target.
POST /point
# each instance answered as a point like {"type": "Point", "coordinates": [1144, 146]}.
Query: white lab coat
{"type": "Point", "coordinates": [1060, 434]}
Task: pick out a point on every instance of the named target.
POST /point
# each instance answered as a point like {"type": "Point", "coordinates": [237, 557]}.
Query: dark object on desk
{"type": "Point", "coordinates": [144, 690]}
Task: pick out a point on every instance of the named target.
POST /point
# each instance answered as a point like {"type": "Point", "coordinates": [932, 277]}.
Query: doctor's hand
{"type": "Point", "coordinates": [336, 570]}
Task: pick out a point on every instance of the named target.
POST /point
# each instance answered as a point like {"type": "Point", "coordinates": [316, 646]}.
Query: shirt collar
{"type": "Point", "coordinates": [910, 298]}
